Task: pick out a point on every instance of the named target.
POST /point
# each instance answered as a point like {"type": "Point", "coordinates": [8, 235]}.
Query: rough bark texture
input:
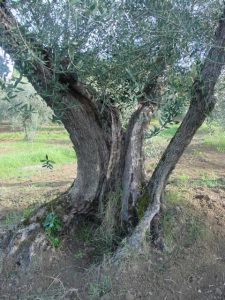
{"type": "Point", "coordinates": [133, 174]}
{"type": "Point", "coordinates": [108, 157]}
{"type": "Point", "coordinates": [202, 103]}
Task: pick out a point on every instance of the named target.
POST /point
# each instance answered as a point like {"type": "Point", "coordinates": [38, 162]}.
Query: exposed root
{"type": "Point", "coordinates": [134, 242]}
{"type": "Point", "coordinates": [22, 245]}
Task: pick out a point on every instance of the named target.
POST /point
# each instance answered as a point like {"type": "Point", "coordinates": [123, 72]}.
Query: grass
{"type": "Point", "coordinates": [217, 140]}
{"type": "Point", "coordinates": [21, 158]}
{"type": "Point", "coordinates": [173, 196]}
{"type": "Point", "coordinates": [14, 217]}
{"type": "Point", "coordinates": [170, 131]}
{"type": "Point", "coordinates": [195, 230]}
{"type": "Point", "coordinates": [182, 179]}
{"type": "Point", "coordinates": [207, 129]}
{"type": "Point", "coordinates": [210, 182]}
{"type": "Point", "coordinates": [41, 135]}
{"type": "Point", "coordinates": [98, 289]}
{"type": "Point", "coordinates": [181, 228]}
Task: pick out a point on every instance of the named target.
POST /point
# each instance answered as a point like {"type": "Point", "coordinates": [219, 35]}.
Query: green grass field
{"type": "Point", "coordinates": [20, 158]}
{"type": "Point", "coordinates": [17, 156]}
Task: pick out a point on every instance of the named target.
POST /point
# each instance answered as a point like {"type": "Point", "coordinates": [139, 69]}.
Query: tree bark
{"type": "Point", "coordinates": [133, 178]}
{"type": "Point", "coordinates": [108, 158]}
{"type": "Point", "coordinates": [202, 103]}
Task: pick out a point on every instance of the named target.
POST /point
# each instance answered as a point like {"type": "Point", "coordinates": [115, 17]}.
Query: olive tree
{"type": "Point", "coordinates": [104, 67]}
{"type": "Point", "coordinates": [23, 107]}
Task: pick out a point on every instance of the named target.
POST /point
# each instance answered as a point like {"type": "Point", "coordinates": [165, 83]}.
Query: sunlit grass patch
{"type": "Point", "coordinates": [183, 178]}
{"type": "Point", "coordinates": [209, 182]}
{"type": "Point", "coordinates": [59, 133]}
{"type": "Point", "coordinates": [19, 157]}
{"type": "Point", "coordinates": [217, 140]}
{"type": "Point", "coordinates": [16, 156]}
{"type": "Point", "coordinates": [173, 196]}
{"type": "Point", "coordinates": [170, 131]}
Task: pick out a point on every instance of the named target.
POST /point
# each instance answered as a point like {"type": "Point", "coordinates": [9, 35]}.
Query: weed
{"type": "Point", "coordinates": [12, 218]}
{"type": "Point", "coordinates": [27, 212]}
{"type": "Point", "coordinates": [183, 177]}
{"type": "Point", "coordinates": [47, 163]}
{"type": "Point", "coordinates": [221, 149]}
{"type": "Point", "coordinates": [85, 232]}
{"type": "Point", "coordinates": [103, 238]}
{"type": "Point", "coordinates": [109, 223]}
{"type": "Point", "coordinates": [52, 225]}
{"type": "Point", "coordinates": [99, 288]}
{"type": "Point", "coordinates": [181, 180]}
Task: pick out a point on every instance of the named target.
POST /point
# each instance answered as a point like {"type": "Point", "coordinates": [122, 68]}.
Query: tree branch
{"type": "Point", "coordinates": [202, 103]}
{"type": "Point", "coordinates": [39, 66]}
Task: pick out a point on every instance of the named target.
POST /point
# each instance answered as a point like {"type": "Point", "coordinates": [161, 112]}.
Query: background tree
{"type": "Point", "coordinates": [22, 107]}
{"type": "Point", "coordinates": [103, 68]}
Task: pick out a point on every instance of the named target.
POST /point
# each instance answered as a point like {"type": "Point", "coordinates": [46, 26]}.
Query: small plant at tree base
{"type": "Point", "coordinates": [47, 163]}
{"type": "Point", "coordinates": [52, 225]}
{"type": "Point", "coordinates": [55, 241]}
{"type": "Point", "coordinates": [79, 254]}
{"type": "Point", "coordinates": [99, 288]}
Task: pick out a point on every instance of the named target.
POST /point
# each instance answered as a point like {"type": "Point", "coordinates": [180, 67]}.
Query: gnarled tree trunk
{"type": "Point", "coordinates": [202, 103]}
{"type": "Point", "coordinates": [108, 157]}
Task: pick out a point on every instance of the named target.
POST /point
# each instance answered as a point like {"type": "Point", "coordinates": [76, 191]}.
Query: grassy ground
{"type": "Point", "coordinates": [20, 158]}
{"type": "Point", "coordinates": [192, 222]}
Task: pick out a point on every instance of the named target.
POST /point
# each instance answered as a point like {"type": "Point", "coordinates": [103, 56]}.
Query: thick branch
{"type": "Point", "coordinates": [202, 103]}
{"type": "Point", "coordinates": [39, 68]}
{"type": "Point", "coordinates": [133, 175]}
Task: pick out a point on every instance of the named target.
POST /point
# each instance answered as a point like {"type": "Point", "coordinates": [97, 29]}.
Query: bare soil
{"type": "Point", "coordinates": [192, 266]}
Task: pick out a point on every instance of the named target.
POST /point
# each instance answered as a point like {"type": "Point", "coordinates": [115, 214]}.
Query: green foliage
{"type": "Point", "coordinates": [47, 163]}
{"type": "Point", "coordinates": [52, 226]}
{"type": "Point", "coordinates": [174, 99]}
{"type": "Point", "coordinates": [122, 41]}
{"type": "Point", "coordinates": [52, 223]}
{"type": "Point", "coordinates": [22, 107]}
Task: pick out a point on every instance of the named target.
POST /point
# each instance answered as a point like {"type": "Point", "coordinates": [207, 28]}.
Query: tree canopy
{"type": "Point", "coordinates": [116, 47]}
